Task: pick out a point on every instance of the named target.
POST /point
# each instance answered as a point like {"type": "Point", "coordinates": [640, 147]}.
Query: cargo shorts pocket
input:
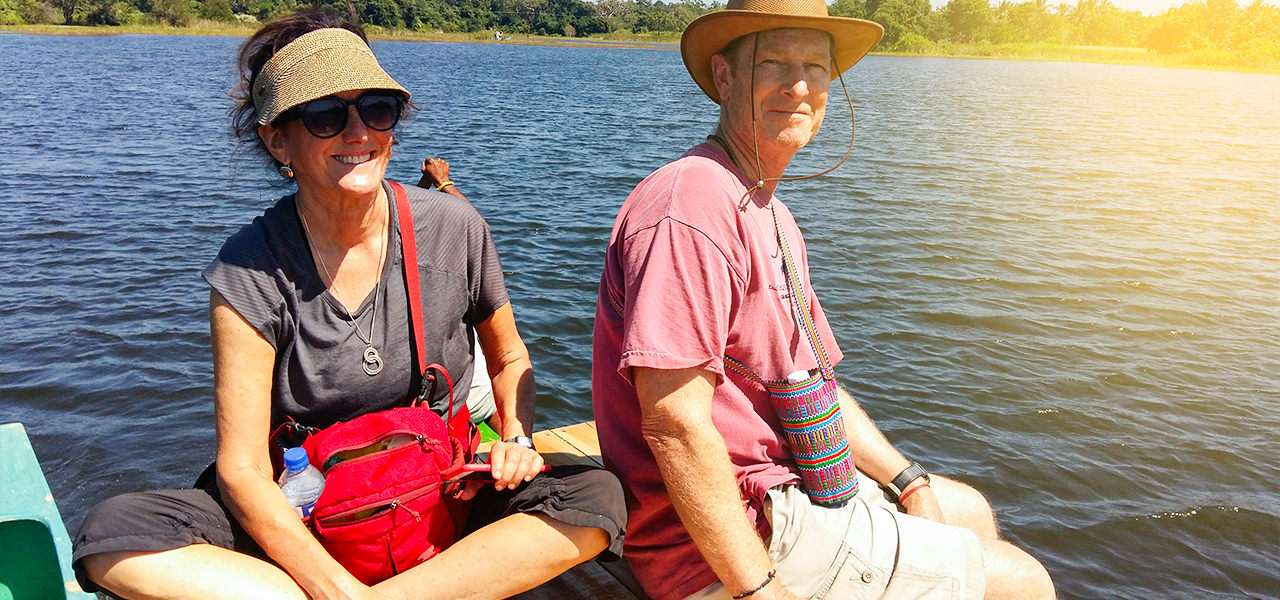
{"type": "Point", "coordinates": [811, 549]}
{"type": "Point", "coordinates": [851, 577]}
{"type": "Point", "coordinates": [923, 586]}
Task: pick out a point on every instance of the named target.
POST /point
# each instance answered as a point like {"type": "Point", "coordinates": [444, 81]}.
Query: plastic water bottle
{"type": "Point", "coordinates": [300, 482]}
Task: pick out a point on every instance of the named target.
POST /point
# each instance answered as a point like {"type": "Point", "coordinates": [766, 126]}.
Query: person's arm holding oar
{"type": "Point", "coordinates": [435, 174]}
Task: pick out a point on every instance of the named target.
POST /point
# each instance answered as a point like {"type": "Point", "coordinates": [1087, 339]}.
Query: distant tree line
{"type": "Point", "coordinates": [571, 18]}
{"type": "Point", "coordinates": [1203, 26]}
{"type": "Point", "coordinates": [1198, 26]}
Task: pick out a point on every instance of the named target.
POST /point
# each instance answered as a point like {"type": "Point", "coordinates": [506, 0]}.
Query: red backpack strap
{"type": "Point", "coordinates": [409, 249]}
{"type": "Point", "coordinates": [460, 423]}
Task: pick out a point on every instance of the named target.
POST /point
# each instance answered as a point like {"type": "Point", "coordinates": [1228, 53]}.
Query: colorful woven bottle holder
{"type": "Point", "coordinates": [809, 409]}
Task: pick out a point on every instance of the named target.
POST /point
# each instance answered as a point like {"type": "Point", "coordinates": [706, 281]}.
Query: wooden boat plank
{"type": "Point", "coordinates": [588, 580]}
{"type": "Point", "coordinates": [583, 437]}
{"type": "Point", "coordinates": [558, 451]}
{"type": "Point", "coordinates": [584, 449]}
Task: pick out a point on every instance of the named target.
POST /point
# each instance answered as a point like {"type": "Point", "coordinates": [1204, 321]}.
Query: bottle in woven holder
{"type": "Point", "coordinates": [809, 412]}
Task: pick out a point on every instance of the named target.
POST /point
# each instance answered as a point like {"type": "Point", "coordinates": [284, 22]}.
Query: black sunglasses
{"type": "Point", "coordinates": [327, 117]}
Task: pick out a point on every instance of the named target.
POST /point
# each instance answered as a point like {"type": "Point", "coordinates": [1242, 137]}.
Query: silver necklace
{"type": "Point", "coordinates": [372, 361]}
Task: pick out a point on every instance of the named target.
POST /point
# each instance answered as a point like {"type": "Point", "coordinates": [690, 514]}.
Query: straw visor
{"type": "Point", "coordinates": [711, 32]}
{"type": "Point", "coordinates": [320, 63]}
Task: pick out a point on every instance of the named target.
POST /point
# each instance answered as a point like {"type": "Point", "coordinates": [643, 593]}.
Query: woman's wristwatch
{"type": "Point", "coordinates": [904, 479]}
{"type": "Point", "coordinates": [521, 440]}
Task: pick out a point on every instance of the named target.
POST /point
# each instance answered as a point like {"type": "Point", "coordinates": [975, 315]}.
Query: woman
{"type": "Point", "coordinates": [309, 321]}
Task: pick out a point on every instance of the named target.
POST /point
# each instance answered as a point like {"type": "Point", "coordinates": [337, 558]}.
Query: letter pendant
{"type": "Point", "coordinates": [372, 361]}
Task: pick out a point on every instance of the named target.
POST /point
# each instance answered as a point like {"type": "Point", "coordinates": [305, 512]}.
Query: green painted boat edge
{"type": "Point", "coordinates": [25, 500]}
{"type": "Point", "coordinates": [487, 434]}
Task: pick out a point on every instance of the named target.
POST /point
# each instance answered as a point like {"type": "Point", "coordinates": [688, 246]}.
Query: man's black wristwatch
{"type": "Point", "coordinates": [904, 479]}
{"type": "Point", "coordinates": [521, 440]}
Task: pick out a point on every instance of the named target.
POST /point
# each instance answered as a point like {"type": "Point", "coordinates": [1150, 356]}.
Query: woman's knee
{"type": "Point", "coordinates": [589, 540]}
{"type": "Point", "coordinates": [592, 503]}
{"type": "Point", "coordinates": [96, 566]}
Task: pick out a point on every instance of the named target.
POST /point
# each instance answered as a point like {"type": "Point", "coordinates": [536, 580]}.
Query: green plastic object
{"type": "Point", "coordinates": [487, 434]}
{"type": "Point", "coordinates": [35, 551]}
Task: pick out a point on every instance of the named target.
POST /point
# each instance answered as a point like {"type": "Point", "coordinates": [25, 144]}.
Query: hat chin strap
{"type": "Point", "coordinates": [755, 138]}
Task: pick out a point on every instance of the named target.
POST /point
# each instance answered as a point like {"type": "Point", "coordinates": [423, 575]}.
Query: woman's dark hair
{"type": "Point", "coordinates": [254, 54]}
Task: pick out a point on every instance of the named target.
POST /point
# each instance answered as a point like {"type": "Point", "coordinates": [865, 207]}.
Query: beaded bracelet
{"type": "Point", "coordinates": [772, 573]}
{"type": "Point", "coordinates": [442, 185]}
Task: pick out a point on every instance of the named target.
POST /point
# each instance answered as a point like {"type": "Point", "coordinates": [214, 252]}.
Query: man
{"type": "Point", "coordinates": [694, 296]}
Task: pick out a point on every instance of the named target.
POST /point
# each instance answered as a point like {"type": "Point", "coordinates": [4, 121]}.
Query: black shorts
{"type": "Point", "coordinates": [169, 519]}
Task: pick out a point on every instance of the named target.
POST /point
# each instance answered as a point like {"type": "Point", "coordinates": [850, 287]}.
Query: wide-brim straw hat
{"type": "Point", "coordinates": [710, 33]}
{"type": "Point", "coordinates": [319, 63]}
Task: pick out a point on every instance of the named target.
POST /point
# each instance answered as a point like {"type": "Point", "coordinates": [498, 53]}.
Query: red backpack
{"type": "Point", "coordinates": [387, 504]}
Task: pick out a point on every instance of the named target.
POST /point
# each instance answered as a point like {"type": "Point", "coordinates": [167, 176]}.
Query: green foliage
{"type": "Point", "coordinates": [1027, 22]}
{"type": "Point", "coordinates": [900, 17]}
{"type": "Point", "coordinates": [216, 10]}
{"type": "Point", "coordinates": [1167, 37]}
{"type": "Point", "coordinates": [173, 12]}
{"type": "Point", "coordinates": [968, 18]}
{"type": "Point", "coordinates": [39, 12]}
{"type": "Point", "coordinates": [1101, 23]}
{"type": "Point", "coordinates": [1260, 53]}
{"type": "Point", "coordinates": [10, 12]}
{"type": "Point", "coordinates": [68, 9]}
{"type": "Point", "coordinates": [914, 43]}
{"type": "Point", "coordinates": [1217, 25]}
{"type": "Point", "coordinates": [856, 9]}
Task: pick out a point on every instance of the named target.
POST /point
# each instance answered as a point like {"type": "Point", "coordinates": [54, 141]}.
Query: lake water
{"type": "Point", "coordinates": [1057, 282]}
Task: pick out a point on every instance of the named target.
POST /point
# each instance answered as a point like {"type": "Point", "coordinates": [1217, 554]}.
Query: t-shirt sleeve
{"type": "Point", "coordinates": [244, 274]}
{"type": "Point", "coordinates": [484, 274]}
{"type": "Point", "coordinates": [680, 288]}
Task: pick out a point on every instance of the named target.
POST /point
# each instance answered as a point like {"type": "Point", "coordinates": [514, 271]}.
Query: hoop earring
{"type": "Point", "coordinates": [286, 172]}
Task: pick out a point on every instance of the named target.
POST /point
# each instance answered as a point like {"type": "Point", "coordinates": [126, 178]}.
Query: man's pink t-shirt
{"type": "Point", "coordinates": [688, 279]}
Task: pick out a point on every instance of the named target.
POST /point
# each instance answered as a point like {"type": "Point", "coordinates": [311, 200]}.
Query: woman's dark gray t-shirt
{"type": "Point", "coordinates": [265, 272]}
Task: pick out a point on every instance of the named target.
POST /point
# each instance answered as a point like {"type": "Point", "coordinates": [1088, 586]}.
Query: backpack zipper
{"type": "Point", "coordinates": [396, 503]}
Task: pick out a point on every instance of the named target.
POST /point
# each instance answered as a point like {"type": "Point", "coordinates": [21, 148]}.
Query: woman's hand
{"type": "Point", "coordinates": [513, 464]}
{"type": "Point", "coordinates": [509, 465]}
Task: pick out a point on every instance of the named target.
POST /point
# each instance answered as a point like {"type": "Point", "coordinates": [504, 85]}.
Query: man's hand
{"type": "Point", "coordinates": [775, 591]}
{"type": "Point", "coordinates": [435, 171]}
{"type": "Point", "coordinates": [922, 502]}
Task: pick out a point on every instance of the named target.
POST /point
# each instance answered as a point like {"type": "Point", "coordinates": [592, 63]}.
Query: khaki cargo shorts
{"type": "Point", "coordinates": [865, 550]}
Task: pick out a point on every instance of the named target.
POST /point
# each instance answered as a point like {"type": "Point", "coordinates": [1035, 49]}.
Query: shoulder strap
{"type": "Point", "coordinates": [460, 423]}
{"type": "Point", "coordinates": [800, 304]}
{"type": "Point", "coordinates": [409, 250]}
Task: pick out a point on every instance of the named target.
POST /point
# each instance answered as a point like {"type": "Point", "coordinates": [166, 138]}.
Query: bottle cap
{"type": "Point", "coordinates": [797, 377]}
{"type": "Point", "coordinates": [295, 459]}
